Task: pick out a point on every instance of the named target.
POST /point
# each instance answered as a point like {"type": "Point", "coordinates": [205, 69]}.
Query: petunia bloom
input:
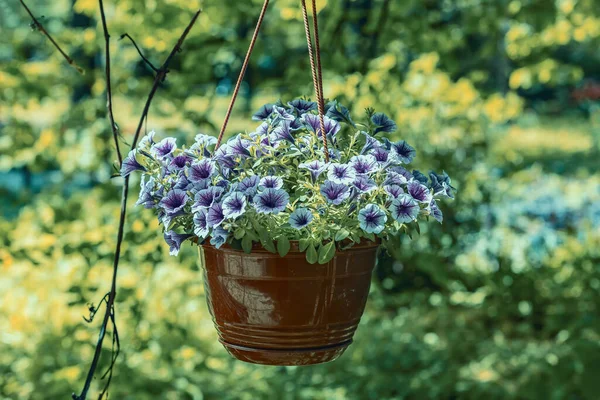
{"type": "Point", "coordinates": [174, 241]}
{"type": "Point", "coordinates": [402, 151]}
{"type": "Point", "coordinates": [271, 201]}
{"type": "Point", "coordinates": [313, 123]}
{"type": "Point", "coordinates": [341, 173]}
{"type": "Point", "coordinates": [372, 219]}
{"type": "Point", "coordinates": [234, 205]}
{"type": "Point", "coordinates": [302, 106]}
{"type": "Point", "coordinates": [441, 185]}
{"type": "Point", "coordinates": [334, 193]}
{"type": "Point", "coordinates": [271, 182]}
{"type": "Point", "coordinates": [300, 218]}
{"type": "Point", "coordinates": [364, 184]}
{"type": "Point", "coordinates": [179, 162]}
{"type": "Point", "coordinates": [435, 212]}
{"type": "Point", "coordinates": [249, 185]}
{"type": "Point", "coordinates": [200, 224]}
{"type": "Point", "coordinates": [393, 191]}
{"type": "Point", "coordinates": [164, 148]}
{"type": "Point", "coordinates": [315, 167]}
{"type": "Point", "coordinates": [382, 156]}
{"type": "Point", "coordinates": [364, 165]}
{"type": "Point", "coordinates": [202, 170]}
{"type": "Point", "coordinates": [405, 208]}
{"type": "Point", "coordinates": [219, 237]}
{"type": "Point", "coordinates": [130, 164]}
{"type": "Point", "coordinates": [215, 215]}
{"type": "Point", "coordinates": [206, 198]}
{"type": "Point", "coordinates": [419, 192]}
{"type": "Point", "coordinates": [174, 202]}
{"type": "Point", "coordinates": [282, 132]}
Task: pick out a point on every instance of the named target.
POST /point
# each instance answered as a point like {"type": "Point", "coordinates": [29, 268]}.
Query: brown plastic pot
{"type": "Point", "coordinates": [282, 310]}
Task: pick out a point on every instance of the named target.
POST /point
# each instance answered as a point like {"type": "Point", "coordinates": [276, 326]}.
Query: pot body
{"type": "Point", "coordinates": [282, 310]}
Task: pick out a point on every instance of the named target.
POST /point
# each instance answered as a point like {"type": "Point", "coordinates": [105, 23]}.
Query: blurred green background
{"type": "Point", "coordinates": [502, 301]}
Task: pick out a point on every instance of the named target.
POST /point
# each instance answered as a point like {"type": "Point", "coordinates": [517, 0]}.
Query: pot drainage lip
{"type": "Point", "coordinates": [290, 350]}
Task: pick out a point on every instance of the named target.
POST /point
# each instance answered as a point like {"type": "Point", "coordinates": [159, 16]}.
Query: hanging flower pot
{"type": "Point", "coordinates": [278, 310]}
{"type": "Point", "coordinates": [289, 218]}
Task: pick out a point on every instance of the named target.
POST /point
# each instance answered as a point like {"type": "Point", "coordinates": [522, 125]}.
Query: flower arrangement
{"type": "Point", "coordinates": [272, 185]}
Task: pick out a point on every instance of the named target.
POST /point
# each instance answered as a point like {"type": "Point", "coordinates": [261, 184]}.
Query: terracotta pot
{"type": "Point", "coordinates": [282, 310]}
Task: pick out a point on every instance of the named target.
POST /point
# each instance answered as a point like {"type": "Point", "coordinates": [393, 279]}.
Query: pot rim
{"type": "Point", "coordinates": [294, 247]}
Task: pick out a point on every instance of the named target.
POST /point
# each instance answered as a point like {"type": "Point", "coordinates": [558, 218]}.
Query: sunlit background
{"type": "Point", "coordinates": [502, 301]}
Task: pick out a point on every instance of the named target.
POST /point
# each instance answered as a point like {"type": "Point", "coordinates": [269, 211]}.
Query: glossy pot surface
{"type": "Point", "coordinates": [282, 310]}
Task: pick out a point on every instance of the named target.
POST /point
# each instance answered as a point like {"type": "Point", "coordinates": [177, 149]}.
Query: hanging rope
{"type": "Point", "coordinates": [242, 73]}
{"type": "Point", "coordinates": [315, 68]}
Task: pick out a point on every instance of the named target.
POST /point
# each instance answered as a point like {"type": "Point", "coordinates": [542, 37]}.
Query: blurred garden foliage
{"type": "Point", "coordinates": [502, 301]}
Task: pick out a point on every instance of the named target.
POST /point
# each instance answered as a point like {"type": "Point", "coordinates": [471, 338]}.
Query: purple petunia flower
{"type": "Point", "coordinates": [183, 183]}
{"type": "Point", "coordinates": [335, 193]}
{"type": "Point", "coordinates": [234, 205]}
{"type": "Point", "coordinates": [313, 123]}
{"type": "Point", "coordinates": [202, 170]}
{"type": "Point", "coordinates": [174, 241]}
{"type": "Point", "coordinates": [179, 162]}
{"type": "Point", "coordinates": [370, 143]}
{"type": "Point", "coordinates": [147, 140]}
{"type": "Point", "coordinates": [341, 173]}
{"type": "Point", "coordinates": [365, 184]}
{"type": "Point", "coordinates": [394, 178]}
{"type": "Point", "coordinates": [215, 215]}
{"type": "Point", "coordinates": [174, 202]}
{"type": "Point", "coordinates": [271, 201]}
{"type": "Point", "coordinates": [249, 185]}
{"type": "Point", "coordinates": [271, 182]}
{"type": "Point", "coordinates": [205, 140]}
{"type": "Point", "coordinates": [302, 106]}
{"type": "Point", "coordinates": [419, 192]}
{"type": "Point", "coordinates": [435, 212]}
{"type": "Point", "coordinates": [300, 218]}
{"type": "Point", "coordinates": [238, 146]}
{"type": "Point", "coordinates": [364, 165]}
{"type": "Point", "coordinates": [402, 151]}
{"type": "Point", "coordinates": [393, 191]}
{"type": "Point", "coordinates": [130, 164]}
{"type": "Point", "coordinates": [441, 185]}
{"type": "Point", "coordinates": [164, 148]}
{"type": "Point", "coordinates": [372, 219]}
{"type": "Point", "coordinates": [147, 197]}
{"type": "Point", "coordinates": [219, 237]}
{"type": "Point", "coordinates": [263, 113]}
{"type": "Point", "coordinates": [200, 224]}
{"type": "Point", "coordinates": [206, 198]}
{"type": "Point", "coordinates": [282, 132]}
{"type": "Point", "coordinates": [315, 167]}
{"type": "Point", "coordinates": [404, 208]}
{"type": "Point", "coordinates": [382, 156]}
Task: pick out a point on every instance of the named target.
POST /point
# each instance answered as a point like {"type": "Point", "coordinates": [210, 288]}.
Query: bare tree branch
{"type": "Point", "coordinates": [126, 35]}
{"type": "Point", "coordinates": [111, 116]}
{"type": "Point", "coordinates": [109, 313]}
{"type": "Point", "coordinates": [41, 28]}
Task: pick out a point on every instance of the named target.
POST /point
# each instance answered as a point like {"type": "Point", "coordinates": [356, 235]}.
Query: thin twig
{"type": "Point", "coordinates": [37, 24]}
{"type": "Point", "coordinates": [111, 116]}
{"type": "Point", "coordinates": [109, 313]}
{"type": "Point", "coordinates": [126, 35]}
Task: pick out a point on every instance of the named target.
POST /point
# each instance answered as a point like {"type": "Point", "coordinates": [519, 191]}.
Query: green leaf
{"type": "Point", "coordinates": [239, 233]}
{"type": "Point", "coordinates": [303, 244]}
{"type": "Point", "coordinates": [341, 235]}
{"type": "Point", "coordinates": [418, 229]}
{"type": "Point", "coordinates": [326, 252]}
{"type": "Point", "coordinates": [311, 254]}
{"type": "Point", "coordinates": [283, 246]}
{"type": "Point", "coordinates": [247, 244]}
{"type": "Point", "coordinates": [370, 236]}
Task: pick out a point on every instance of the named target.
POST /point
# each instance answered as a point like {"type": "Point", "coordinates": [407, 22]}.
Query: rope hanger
{"type": "Point", "coordinates": [315, 66]}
